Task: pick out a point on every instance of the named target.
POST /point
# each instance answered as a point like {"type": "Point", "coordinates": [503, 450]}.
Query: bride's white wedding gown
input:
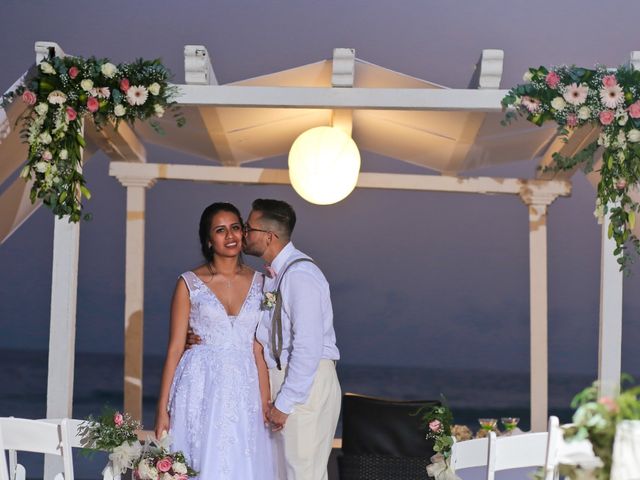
{"type": "Point", "coordinates": [214, 404]}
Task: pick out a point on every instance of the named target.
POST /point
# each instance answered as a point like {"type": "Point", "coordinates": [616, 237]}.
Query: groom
{"type": "Point", "coordinates": [299, 343]}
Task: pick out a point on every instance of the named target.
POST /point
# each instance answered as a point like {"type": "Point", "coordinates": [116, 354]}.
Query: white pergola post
{"type": "Point", "coordinates": [538, 202]}
{"type": "Point", "coordinates": [610, 346]}
{"type": "Point", "coordinates": [134, 293]}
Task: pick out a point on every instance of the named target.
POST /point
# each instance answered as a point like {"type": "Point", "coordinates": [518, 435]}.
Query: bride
{"type": "Point", "coordinates": [214, 397]}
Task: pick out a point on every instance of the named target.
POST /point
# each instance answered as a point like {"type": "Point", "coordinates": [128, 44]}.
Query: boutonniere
{"type": "Point", "coordinates": [269, 300]}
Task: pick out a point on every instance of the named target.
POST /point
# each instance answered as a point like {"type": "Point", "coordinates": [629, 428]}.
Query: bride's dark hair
{"type": "Point", "coordinates": [205, 225]}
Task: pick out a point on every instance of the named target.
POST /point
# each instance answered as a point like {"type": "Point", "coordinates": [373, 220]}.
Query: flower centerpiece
{"type": "Point", "coordinates": [438, 422]}
{"type": "Point", "coordinates": [62, 92]}
{"type": "Point", "coordinates": [609, 100]}
{"type": "Point", "coordinates": [157, 463]}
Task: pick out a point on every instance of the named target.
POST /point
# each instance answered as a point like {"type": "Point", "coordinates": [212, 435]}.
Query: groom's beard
{"type": "Point", "coordinates": [253, 251]}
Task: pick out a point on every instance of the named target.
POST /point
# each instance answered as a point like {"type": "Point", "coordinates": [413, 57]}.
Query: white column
{"type": "Point", "coordinates": [610, 340]}
{"type": "Point", "coordinates": [134, 293]}
{"type": "Point", "coordinates": [538, 202]}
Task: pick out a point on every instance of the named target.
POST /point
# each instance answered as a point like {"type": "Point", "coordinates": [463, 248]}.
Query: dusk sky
{"type": "Point", "coordinates": [417, 278]}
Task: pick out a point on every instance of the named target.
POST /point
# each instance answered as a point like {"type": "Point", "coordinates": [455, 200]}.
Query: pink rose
{"type": "Point", "coordinates": [182, 476]}
{"type": "Point", "coordinates": [73, 72]}
{"type": "Point", "coordinates": [118, 419]}
{"type": "Point", "coordinates": [621, 184]}
{"type": "Point", "coordinates": [572, 120]}
{"type": "Point", "coordinates": [124, 85]}
{"type": "Point", "coordinates": [606, 117]}
{"type": "Point", "coordinates": [610, 403]}
{"type": "Point", "coordinates": [93, 105]}
{"type": "Point", "coordinates": [71, 116]}
{"type": "Point", "coordinates": [29, 97]}
{"type": "Point", "coordinates": [609, 81]}
{"type": "Point", "coordinates": [435, 425]}
{"type": "Point", "coordinates": [164, 465]}
{"type": "Point", "coordinates": [634, 110]}
{"type": "Point", "coordinates": [552, 79]}
{"type": "Point", "coordinates": [47, 155]}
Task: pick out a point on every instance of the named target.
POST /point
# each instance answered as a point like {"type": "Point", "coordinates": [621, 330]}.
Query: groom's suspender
{"type": "Point", "coordinates": [276, 320]}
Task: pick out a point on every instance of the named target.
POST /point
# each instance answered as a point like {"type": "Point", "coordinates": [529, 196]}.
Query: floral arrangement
{"type": "Point", "coordinates": [609, 100]}
{"type": "Point", "coordinates": [157, 463]}
{"type": "Point", "coordinates": [59, 95]}
{"type": "Point", "coordinates": [588, 449]}
{"type": "Point", "coordinates": [110, 430]}
{"type": "Point", "coordinates": [438, 422]}
{"type": "Point", "coordinates": [269, 300]}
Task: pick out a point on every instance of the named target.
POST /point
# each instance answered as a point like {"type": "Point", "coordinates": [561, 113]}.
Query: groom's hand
{"type": "Point", "coordinates": [277, 418]}
{"type": "Point", "coordinates": [192, 339]}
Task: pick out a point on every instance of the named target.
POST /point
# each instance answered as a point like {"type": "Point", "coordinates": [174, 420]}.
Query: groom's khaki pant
{"type": "Point", "coordinates": [307, 437]}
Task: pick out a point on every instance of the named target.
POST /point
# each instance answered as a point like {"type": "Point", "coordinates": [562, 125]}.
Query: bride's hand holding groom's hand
{"type": "Point", "coordinates": [276, 418]}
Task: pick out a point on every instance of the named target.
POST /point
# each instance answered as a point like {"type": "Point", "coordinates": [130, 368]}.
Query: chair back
{"type": "Point", "coordinates": [470, 453]}
{"type": "Point", "coordinates": [383, 439]}
{"type": "Point", "coordinates": [75, 428]}
{"type": "Point", "coordinates": [553, 445]}
{"type": "Point", "coordinates": [516, 451]}
{"type": "Point", "coordinates": [20, 434]}
{"type": "Point", "coordinates": [4, 469]}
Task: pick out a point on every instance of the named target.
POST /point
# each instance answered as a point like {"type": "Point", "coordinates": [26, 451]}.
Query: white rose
{"type": "Point", "coordinates": [46, 67]}
{"type": "Point", "coordinates": [528, 76]}
{"type": "Point", "coordinates": [154, 88]}
{"type": "Point", "coordinates": [623, 117]}
{"type": "Point", "coordinates": [179, 468]}
{"type": "Point", "coordinates": [41, 167]}
{"type": "Point", "coordinates": [86, 84]}
{"type": "Point", "coordinates": [119, 110]}
{"type": "Point", "coordinates": [634, 135]}
{"type": "Point", "coordinates": [558, 103]}
{"type": "Point", "coordinates": [584, 113]}
{"type": "Point", "coordinates": [64, 154]}
{"type": "Point", "coordinates": [45, 138]}
{"type": "Point", "coordinates": [42, 108]}
{"type": "Point", "coordinates": [147, 472]}
{"type": "Point", "coordinates": [159, 109]}
{"type": "Point", "coordinates": [109, 70]}
{"type": "Point", "coordinates": [57, 97]}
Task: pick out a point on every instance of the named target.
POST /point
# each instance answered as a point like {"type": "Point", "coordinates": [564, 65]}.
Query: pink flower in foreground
{"type": "Point", "coordinates": [71, 114]}
{"type": "Point", "coordinates": [552, 79]}
{"type": "Point", "coordinates": [181, 477]}
{"type": "Point", "coordinates": [164, 465]}
{"type": "Point", "coordinates": [634, 110]}
{"type": "Point", "coordinates": [118, 419]}
{"type": "Point", "coordinates": [576, 94]}
{"type": "Point", "coordinates": [92, 104]}
{"type": "Point", "coordinates": [610, 81]}
{"type": "Point", "coordinates": [124, 85]}
{"type": "Point", "coordinates": [29, 97]}
{"type": "Point", "coordinates": [572, 120]}
{"type": "Point", "coordinates": [607, 116]}
{"type": "Point", "coordinates": [610, 403]}
{"type": "Point", "coordinates": [531, 104]}
{"type": "Point", "coordinates": [611, 97]}
{"type": "Point", "coordinates": [47, 155]}
{"type": "Point", "coordinates": [73, 72]}
{"type": "Point", "coordinates": [435, 425]}
{"type": "Point", "coordinates": [621, 184]}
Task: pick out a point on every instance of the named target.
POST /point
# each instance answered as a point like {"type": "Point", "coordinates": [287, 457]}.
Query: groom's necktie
{"type": "Point", "coordinates": [276, 319]}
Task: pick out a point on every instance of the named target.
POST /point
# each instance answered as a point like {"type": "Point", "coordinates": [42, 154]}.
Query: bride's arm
{"type": "Point", "coordinates": [263, 378]}
{"type": "Point", "coordinates": [180, 306]}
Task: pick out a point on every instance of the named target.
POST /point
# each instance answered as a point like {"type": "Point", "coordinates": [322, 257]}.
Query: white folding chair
{"type": "Point", "coordinates": [74, 427]}
{"type": "Point", "coordinates": [470, 454]}
{"type": "Point", "coordinates": [4, 471]}
{"type": "Point", "coordinates": [516, 451]}
{"type": "Point", "coordinates": [20, 434]}
{"type": "Point", "coordinates": [553, 444]}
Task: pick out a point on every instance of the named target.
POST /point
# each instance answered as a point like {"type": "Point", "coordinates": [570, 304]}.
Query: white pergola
{"type": "Point", "coordinates": [446, 131]}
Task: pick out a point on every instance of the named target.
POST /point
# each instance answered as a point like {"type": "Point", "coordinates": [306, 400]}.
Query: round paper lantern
{"type": "Point", "coordinates": [324, 163]}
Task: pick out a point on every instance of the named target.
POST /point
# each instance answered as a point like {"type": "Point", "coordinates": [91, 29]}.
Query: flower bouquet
{"type": "Point", "coordinates": [438, 422]}
{"type": "Point", "coordinates": [157, 463]}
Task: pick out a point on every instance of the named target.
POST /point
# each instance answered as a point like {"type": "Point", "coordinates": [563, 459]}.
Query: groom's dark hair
{"type": "Point", "coordinates": [278, 212]}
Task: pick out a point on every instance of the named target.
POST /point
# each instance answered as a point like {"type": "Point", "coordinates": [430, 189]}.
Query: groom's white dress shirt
{"type": "Point", "coordinates": [307, 326]}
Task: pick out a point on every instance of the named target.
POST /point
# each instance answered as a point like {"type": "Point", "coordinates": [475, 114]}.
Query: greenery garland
{"type": "Point", "coordinates": [59, 95]}
{"type": "Point", "coordinates": [610, 100]}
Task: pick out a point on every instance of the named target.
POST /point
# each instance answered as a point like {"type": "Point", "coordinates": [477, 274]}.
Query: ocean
{"type": "Point", "coordinates": [471, 394]}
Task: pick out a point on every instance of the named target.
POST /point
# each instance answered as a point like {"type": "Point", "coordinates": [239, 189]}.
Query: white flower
{"type": "Point", "coordinates": [584, 113]}
{"type": "Point", "coordinates": [42, 108]}
{"type": "Point", "coordinates": [622, 117]}
{"type": "Point", "coordinates": [531, 104]}
{"type": "Point", "coordinates": [41, 167]}
{"type": "Point", "coordinates": [86, 84]}
{"type": "Point", "coordinates": [119, 110]}
{"type": "Point", "coordinates": [633, 135]}
{"type": "Point", "coordinates": [137, 95]}
{"type": "Point", "coordinates": [64, 154]}
{"type": "Point", "coordinates": [528, 76]}
{"type": "Point", "coordinates": [46, 67]}
{"type": "Point", "coordinates": [45, 138]}
{"type": "Point", "coordinates": [576, 94]}
{"type": "Point", "coordinates": [109, 70]}
{"type": "Point", "coordinates": [124, 455]}
{"type": "Point", "coordinates": [558, 103]}
{"type": "Point", "coordinates": [147, 472]}
{"type": "Point", "coordinates": [57, 97]}
{"type": "Point", "coordinates": [154, 88]}
{"type": "Point", "coordinates": [620, 153]}
{"type": "Point", "coordinates": [611, 97]}
{"type": "Point", "coordinates": [603, 140]}
{"type": "Point", "coordinates": [166, 476]}
{"type": "Point", "coordinates": [179, 467]}
{"type": "Point", "coordinates": [26, 171]}
{"type": "Point", "coordinates": [159, 109]}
